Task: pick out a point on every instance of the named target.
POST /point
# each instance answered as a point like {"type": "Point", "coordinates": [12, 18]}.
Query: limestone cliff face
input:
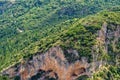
{"type": "Point", "coordinates": [106, 42]}
{"type": "Point", "coordinates": [109, 34]}
{"type": "Point", "coordinates": [51, 64]}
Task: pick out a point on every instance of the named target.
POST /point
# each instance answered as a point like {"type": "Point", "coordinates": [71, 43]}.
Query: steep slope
{"type": "Point", "coordinates": [51, 64]}
{"type": "Point", "coordinates": [88, 47]}
{"type": "Point", "coordinates": [34, 26]}
{"type": "Point", "coordinates": [24, 24]}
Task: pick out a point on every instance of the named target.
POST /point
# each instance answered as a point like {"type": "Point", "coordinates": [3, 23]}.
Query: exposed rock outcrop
{"type": "Point", "coordinates": [106, 42]}
{"type": "Point", "coordinates": [51, 64]}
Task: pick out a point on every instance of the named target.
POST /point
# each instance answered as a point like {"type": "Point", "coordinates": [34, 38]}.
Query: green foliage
{"type": "Point", "coordinates": [31, 26]}
{"type": "Point", "coordinates": [108, 73]}
{"type": "Point", "coordinates": [83, 78]}
{"type": "Point", "coordinates": [4, 78]}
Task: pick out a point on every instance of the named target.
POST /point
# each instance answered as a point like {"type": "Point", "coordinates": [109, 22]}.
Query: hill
{"type": "Point", "coordinates": [89, 27]}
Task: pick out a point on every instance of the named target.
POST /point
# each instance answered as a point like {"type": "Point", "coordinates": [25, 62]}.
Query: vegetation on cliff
{"type": "Point", "coordinates": [28, 27]}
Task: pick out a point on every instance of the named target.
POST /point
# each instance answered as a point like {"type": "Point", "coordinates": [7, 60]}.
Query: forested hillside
{"type": "Point", "coordinates": [91, 27]}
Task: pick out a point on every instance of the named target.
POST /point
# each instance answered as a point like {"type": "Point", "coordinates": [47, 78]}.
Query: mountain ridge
{"type": "Point", "coordinates": [30, 27]}
{"type": "Point", "coordinates": [82, 22]}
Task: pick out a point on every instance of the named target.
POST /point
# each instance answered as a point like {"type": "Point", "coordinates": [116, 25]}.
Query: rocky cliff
{"type": "Point", "coordinates": [53, 64]}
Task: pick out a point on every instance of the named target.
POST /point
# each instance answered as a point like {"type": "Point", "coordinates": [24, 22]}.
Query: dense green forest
{"type": "Point", "coordinates": [31, 26]}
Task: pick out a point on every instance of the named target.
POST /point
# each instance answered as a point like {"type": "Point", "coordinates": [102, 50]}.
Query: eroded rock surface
{"type": "Point", "coordinates": [54, 65]}
{"type": "Point", "coordinates": [51, 64]}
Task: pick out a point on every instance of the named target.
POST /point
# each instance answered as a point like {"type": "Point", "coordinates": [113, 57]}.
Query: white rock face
{"type": "Point", "coordinates": [19, 30]}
